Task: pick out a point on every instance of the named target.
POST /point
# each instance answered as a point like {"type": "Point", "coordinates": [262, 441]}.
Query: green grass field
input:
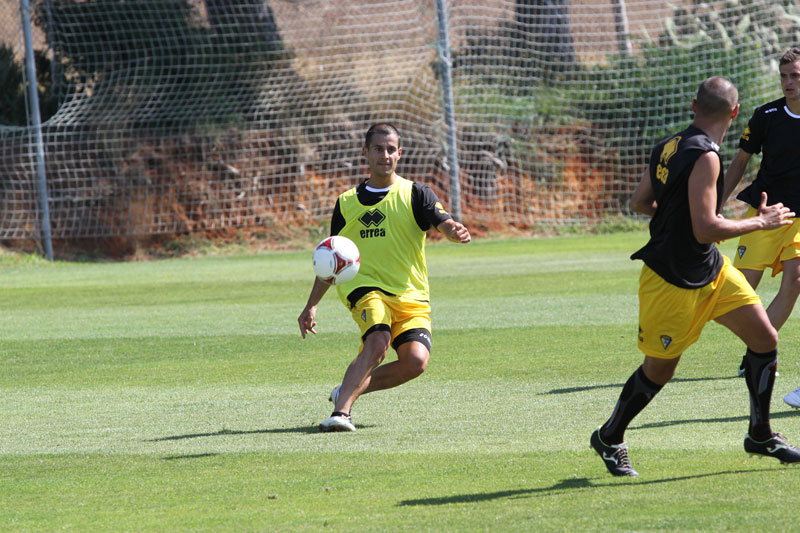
{"type": "Point", "coordinates": [178, 395]}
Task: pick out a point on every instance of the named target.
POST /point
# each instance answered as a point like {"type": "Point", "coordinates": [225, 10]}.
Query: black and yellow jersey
{"type": "Point", "coordinates": [673, 252]}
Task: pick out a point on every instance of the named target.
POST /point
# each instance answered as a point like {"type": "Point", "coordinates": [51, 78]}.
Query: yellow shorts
{"type": "Point", "coordinates": [768, 248]}
{"type": "Point", "coordinates": [671, 318]}
{"type": "Point", "coordinates": [398, 313]}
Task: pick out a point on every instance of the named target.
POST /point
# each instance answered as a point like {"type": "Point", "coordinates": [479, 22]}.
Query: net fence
{"type": "Point", "coordinates": [181, 116]}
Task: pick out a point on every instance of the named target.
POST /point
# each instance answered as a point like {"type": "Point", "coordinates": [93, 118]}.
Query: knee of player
{"type": "Point", "coordinates": [420, 362]}
{"type": "Point", "coordinates": [766, 342]}
{"type": "Point", "coordinates": [376, 353]}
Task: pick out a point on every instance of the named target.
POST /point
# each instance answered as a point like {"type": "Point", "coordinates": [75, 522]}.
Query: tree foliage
{"type": "Point", "coordinates": [13, 110]}
{"type": "Point", "coordinates": [158, 59]}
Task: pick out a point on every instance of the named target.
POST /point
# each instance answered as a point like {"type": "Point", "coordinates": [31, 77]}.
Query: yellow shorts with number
{"type": "Point", "coordinates": [768, 248]}
{"type": "Point", "coordinates": [400, 314]}
{"type": "Point", "coordinates": [671, 318]}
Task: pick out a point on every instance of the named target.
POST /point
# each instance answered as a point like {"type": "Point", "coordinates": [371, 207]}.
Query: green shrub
{"type": "Point", "coordinates": [641, 100]}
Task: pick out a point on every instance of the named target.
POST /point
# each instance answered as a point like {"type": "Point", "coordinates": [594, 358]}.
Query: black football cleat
{"type": "Point", "coordinates": [615, 456]}
{"type": "Point", "coordinates": [776, 446]}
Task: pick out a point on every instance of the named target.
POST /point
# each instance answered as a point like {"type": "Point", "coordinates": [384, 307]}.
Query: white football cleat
{"type": "Point", "coordinates": [337, 422]}
{"type": "Point", "coordinates": [793, 398]}
{"type": "Point", "coordinates": [334, 394]}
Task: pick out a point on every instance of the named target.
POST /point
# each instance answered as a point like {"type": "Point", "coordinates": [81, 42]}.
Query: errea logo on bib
{"type": "Point", "coordinates": [371, 218]}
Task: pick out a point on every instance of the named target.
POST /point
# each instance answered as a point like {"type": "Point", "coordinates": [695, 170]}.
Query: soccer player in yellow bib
{"type": "Point", "coordinates": [387, 216]}
{"type": "Point", "coordinates": [685, 280]}
{"type": "Point", "coordinates": [773, 130]}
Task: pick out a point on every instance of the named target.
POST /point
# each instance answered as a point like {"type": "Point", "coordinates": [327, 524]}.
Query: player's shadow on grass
{"type": "Point", "coordinates": [570, 390]}
{"type": "Point", "coordinates": [227, 432]}
{"type": "Point", "coordinates": [561, 486]}
{"type": "Point", "coordinates": [743, 419]}
{"type": "Point", "coordinates": [188, 456]}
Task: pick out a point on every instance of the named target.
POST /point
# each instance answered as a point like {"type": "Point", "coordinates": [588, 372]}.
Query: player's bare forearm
{"type": "Point", "coordinates": [309, 313]}
{"type": "Point", "coordinates": [709, 226]}
{"type": "Point", "coordinates": [708, 229]}
{"type": "Point", "coordinates": [318, 290]}
{"type": "Point", "coordinates": [735, 172]}
{"type": "Point", "coordinates": [454, 231]}
{"type": "Point", "coordinates": [643, 199]}
{"type": "Point", "coordinates": [648, 209]}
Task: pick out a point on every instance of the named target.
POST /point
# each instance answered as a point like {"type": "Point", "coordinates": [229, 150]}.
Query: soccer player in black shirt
{"type": "Point", "coordinates": [773, 130]}
{"type": "Point", "coordinates": [686, 282]}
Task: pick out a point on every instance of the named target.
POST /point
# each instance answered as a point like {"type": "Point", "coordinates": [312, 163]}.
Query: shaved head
{"type": "Point", "coordinates": [716, 97]}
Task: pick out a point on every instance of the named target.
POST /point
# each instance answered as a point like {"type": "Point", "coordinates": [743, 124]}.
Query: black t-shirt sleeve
{"type": "Point", "coordinates": [337, 220]}
{"type": "Point", "coordinates": [753, 136]}
{"type": "Point", "coordinates": [428, 210]}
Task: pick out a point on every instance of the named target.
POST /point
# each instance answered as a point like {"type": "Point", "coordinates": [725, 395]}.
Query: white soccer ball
{"type": "Point", "coordinates": [336, 260]}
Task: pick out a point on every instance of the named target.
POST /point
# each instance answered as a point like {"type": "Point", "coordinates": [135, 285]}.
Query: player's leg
{"type": "Point", "coordinates": [738, 308]}
{"type": "Point", "coordinates": [781, 306]}
{"type": "Point", "coordinates": [609, 439]}
{"type": "Point", "coordinates": [670, 320]}
{"type": "Point", "coordinates": [751, 324]}
{"type": "Point", "coordinates": [356, 379]}
{"type": "Point", "coordinates": [411, 338]}
{"type": "Point", "coordinates": [412, 360]}
{"type": "Point", "coordinates": [374, 318]}
{"type": "Point", "coordinates": [374, 315]}
{"type": "Point", "coordinates": [358, 374]}
{"type": "Point", "coordinates": [753, 277]}
{"type": "Point", "coordinates": [780, 309]}
{"type": "Point", "coordinates": [667, 326]}
{"type": "Point", "coordinates": [645, 382]}
{"type": "Point", "coordinates": [758, 251]}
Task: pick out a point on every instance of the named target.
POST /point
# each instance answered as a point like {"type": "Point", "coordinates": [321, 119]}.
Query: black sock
{"type": "Point", "coordinates": [759, 373]}
{"type": "Point", "coordinates": [635, 395]}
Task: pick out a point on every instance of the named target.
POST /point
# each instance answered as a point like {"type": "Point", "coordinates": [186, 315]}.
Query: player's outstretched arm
{"type": "Point", "coordinates": [306, 318]}
{"type": "Point", "coordinates": [454, 231]}
{"type": "Point", "coordinates": [710, 227]}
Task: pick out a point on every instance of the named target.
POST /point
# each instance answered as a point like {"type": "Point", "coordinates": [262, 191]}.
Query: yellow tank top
{"type": "Point", "coordinates": [391, 243]}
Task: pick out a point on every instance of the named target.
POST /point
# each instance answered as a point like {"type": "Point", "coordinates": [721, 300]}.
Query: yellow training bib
{"type": "Point", "coordinates": [391, 243]}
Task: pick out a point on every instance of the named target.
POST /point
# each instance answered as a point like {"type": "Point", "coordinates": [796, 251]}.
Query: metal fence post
{"type": "Point", "coordinates": [449, 116]}
{"type": "Point", "coordinates": [33, 99]}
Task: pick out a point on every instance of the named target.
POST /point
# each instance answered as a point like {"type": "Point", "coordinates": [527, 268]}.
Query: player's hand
{"type": "Point", "coordinates": [460, 233]}
{"type": "Point", "coordinates": [306, 321]}
{"type": "Point", "coordinates": [775, 215]}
